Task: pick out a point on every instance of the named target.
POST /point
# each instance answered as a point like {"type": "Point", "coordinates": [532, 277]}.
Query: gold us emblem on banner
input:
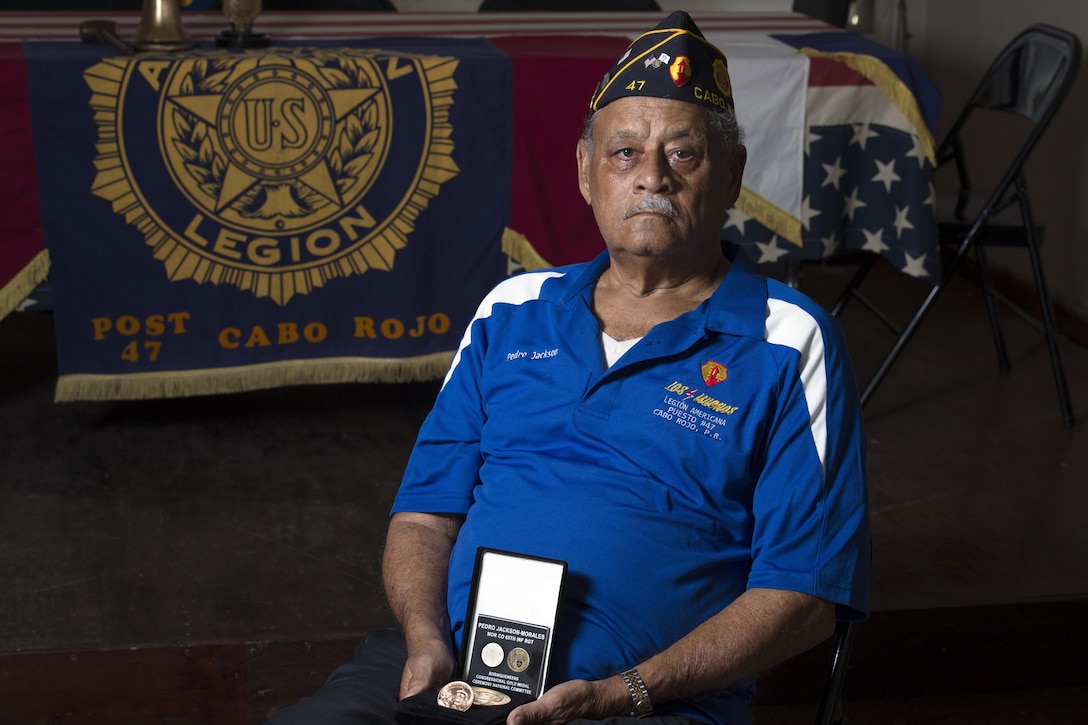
{"type": "Point", "coordinates": [268, 171]}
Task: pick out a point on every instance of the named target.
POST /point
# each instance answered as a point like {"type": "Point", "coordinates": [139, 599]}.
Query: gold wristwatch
{"type": "Point", "coordinates": [640, 696]}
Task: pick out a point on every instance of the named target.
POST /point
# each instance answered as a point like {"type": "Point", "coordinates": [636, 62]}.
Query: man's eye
{"type": "Point", "coordinates": [626, 153]}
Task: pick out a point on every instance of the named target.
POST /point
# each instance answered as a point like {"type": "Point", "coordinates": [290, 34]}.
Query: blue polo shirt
{"type": "Point", "coordinates": [723, 451]}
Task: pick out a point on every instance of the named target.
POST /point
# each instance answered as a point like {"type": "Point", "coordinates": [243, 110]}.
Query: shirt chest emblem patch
{"type": "Point", "coordinates": [713, 372]}
{"type": "Point", "coordinates": [692, 407]}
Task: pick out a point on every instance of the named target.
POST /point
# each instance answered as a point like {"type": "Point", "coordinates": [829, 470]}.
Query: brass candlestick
{"type": "Point", "coordinates": [160, 27]}
{"type": "Point", "coordinates": [241, 14]}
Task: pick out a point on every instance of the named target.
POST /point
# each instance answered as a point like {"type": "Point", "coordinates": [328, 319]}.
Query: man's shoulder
{"type": "Point", "coordinates": [543, 284]}
{"type": "Point", "coordinates": [796, 320]}
{"type": "Point", "coordinates": [789, 298]}
{"type": "Point", "coordinates": [758, 306]}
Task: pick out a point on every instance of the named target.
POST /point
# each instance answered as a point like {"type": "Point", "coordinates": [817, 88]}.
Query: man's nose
{"type": "Point", "coordinates": [655, 176]}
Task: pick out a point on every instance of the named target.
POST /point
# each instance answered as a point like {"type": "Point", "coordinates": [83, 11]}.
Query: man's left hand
{"type": "Point", "coordinates": [573, 700]}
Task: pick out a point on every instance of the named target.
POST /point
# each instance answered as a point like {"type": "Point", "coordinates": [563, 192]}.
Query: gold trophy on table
{"type": "Point", "coordinates": [241, 14]}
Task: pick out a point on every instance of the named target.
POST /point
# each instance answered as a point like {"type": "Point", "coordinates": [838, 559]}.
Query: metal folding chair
{"type": "Point", "coordinates": [830, 711]}
{"type": "Point", "coordinates": [1029, 78]}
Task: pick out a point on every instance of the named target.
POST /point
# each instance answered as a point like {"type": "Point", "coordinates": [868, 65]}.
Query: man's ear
{"type": "Point", "coordinates": [583, 157]}
{"type": "Point", "coordinates": [736, 175]}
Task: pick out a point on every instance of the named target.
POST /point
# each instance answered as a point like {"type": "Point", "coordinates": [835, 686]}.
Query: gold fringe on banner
{"type": "Point", "coordinates": [886, 80]}
{"type": "Point", "coordinates": [518, 247]}
{"type": "Point", "coordinates": [219, 381]}
{"type": "Point", "coordinates": [22, 284]}
{"type": "Point", "coordinates": [771, 216]}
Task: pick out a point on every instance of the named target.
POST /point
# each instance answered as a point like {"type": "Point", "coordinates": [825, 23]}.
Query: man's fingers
{"type": "Point", "coordinates": [522, 715]}
{"type": "Point", "coordinates": [561, 704]}
{"type": "Point", "coordinates": [413, 687]}
{"type": "Point", "coordinates": [424, 671]}
{"type": "Point", "coordinates": [410, 684]}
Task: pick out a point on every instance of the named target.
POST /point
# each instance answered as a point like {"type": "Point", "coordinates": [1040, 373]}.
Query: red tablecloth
{"type": "Point", "coordinates": [23, 262]}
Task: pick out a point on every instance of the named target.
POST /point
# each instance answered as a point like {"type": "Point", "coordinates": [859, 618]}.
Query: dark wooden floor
{"type": "Point", "coordinates": [208, 560]}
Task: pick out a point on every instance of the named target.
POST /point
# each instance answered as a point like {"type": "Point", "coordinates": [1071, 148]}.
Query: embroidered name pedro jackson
{"type": "Point", "coordinates": [532, 355]}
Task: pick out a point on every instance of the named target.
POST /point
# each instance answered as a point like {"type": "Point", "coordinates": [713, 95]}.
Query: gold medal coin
{"type": "Point", "coordinates": [518, 659]}
{"type": "Point", "coordinates": [456, 695]}
{"type": "Point", "coordinates": [487, 697]}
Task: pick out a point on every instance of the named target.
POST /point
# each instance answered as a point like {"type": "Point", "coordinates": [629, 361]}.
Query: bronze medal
{"type": "Point", "coordinates": [456, 695]}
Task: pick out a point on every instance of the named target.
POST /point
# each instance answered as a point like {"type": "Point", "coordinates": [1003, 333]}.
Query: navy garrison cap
{"type": "Point", "coordinates": [673, 60]}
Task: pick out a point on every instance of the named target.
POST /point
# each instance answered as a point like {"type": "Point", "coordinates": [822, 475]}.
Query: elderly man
{"type": "Point", "coordinates": [686, 435]}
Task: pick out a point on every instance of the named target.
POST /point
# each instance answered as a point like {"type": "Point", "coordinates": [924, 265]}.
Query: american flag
{"type": "Point", "coordinates": [866, 187]}
{"type": "Point", "coordinates": [867, 162]}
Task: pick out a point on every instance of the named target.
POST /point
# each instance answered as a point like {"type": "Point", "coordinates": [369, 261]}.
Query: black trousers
{"type": "Point", "coordinates": [364, 691]}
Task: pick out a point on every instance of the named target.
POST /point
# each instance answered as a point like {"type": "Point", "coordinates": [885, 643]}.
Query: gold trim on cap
{"type": "Point", "coordinates": [673, 33]}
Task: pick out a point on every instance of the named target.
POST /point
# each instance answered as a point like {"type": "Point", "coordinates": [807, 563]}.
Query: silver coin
{"type": "Point", "coordinates": [518, 659]}
{"type": "Point", "coordinates": [456, 695]}
{"type": "Point", "coordinates": [487, 697]}
{"type": "Point", "coordinates": [492, 654]}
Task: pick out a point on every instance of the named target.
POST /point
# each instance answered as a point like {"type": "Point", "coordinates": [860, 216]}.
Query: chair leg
{"type": "Point", "coordinates": [793, 274]}
{"type": "Point", "coordinates": [991, 310]}
{"type": "Point", "coordinates": [904, 337]}
{"type": "Point", "coordinates": [900, 343]}
{"type": "Point", "coordinates": [830, 711]}
{"type": "Point", "coordinates": [855, 282]}
{"type": "Point", "coordinates": [1047, 311]}
{"type": "Point", "coordinates": [1051, 330]}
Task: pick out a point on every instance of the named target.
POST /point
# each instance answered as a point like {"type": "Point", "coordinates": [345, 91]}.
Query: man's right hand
{"type": "Point", "coordinates": [429, 665]}
{"type": "Point", "coordinates": [415, 566]}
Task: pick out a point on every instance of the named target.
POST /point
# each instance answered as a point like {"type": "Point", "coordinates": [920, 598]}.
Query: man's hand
{"type": "Point", "coordinates": [573, 700]}
{"type": "Point", "coordinates": [417, 555]}
{"type": "Point", "coordinates": [428, 665]}
{"type": "Point", "coordinates": [760, 629]}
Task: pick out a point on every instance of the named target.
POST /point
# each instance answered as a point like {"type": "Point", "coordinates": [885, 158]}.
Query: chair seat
{"type": "Point", "coordinates": [995, 235]}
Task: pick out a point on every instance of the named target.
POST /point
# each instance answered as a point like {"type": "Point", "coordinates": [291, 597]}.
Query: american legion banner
{"type": "Point", "coordinates": [221, 221]}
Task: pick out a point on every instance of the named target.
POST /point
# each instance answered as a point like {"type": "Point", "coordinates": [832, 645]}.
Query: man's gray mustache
{"type": "Point", "coordinates": [654, 204]}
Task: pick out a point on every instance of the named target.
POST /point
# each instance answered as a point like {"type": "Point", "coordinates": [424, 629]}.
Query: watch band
{"type": "Point", "coordinates": [640, 696]}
